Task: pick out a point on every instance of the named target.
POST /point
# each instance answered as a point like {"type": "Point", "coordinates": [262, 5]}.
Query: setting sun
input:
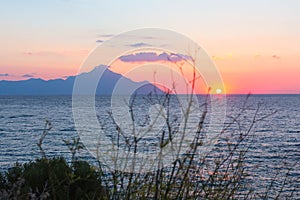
{"type": "Point", "coordinates": [218, 91]}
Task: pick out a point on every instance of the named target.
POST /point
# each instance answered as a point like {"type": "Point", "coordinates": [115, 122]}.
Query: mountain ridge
{"type": "Point", "coordinates": [106, 84]}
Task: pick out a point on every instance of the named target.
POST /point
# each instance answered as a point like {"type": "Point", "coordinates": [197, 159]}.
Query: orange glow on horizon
{"type": "Point", "coordinates": [256, 73]}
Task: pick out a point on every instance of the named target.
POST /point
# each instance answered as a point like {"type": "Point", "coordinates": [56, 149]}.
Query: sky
{"type": "Point", "coordinates": [254, 43]}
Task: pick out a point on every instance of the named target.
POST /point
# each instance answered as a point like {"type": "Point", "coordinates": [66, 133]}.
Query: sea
{"type": "Point", "coordinates": [275, 137]}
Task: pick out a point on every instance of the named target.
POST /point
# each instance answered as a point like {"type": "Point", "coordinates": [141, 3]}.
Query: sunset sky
{"type": "Point", "coordinates": [255, 43]}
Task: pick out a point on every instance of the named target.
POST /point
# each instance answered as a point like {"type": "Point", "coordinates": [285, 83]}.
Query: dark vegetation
{"type": "Point", "coordinates": [52, 178]}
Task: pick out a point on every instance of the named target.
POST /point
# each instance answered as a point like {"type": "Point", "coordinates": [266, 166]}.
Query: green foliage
{"type": "Point", "coordinates": [53, 174]}
{"type": "Point", "coordinates": [14, 174]}
{"type": "Point", "coordinates": [53, 177]}
{"type": "Point", "coordinates": [2, 181]}
{"type": "Point", "coordinates": [86, 182]}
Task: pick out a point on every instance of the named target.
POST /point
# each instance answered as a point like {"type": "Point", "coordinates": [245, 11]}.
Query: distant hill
{"type": "Point", "coordinates": [105, 86]}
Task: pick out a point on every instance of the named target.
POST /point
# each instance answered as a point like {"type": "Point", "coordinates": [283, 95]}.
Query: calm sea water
{"type": "Point", "coordinates": [22, 118]}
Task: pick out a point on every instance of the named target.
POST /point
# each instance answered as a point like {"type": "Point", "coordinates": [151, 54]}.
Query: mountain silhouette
{"type": "Point", "coordinates": [105, 86]}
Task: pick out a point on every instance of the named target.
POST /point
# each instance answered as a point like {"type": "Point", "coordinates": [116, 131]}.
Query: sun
{"type": "Point", "coordinates": [218, 91]}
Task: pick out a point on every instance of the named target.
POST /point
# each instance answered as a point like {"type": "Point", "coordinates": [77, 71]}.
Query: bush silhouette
{"type": "Point", "coordinates": [51, 178]}
{"type": "Point", "coordinates": [86, 182]}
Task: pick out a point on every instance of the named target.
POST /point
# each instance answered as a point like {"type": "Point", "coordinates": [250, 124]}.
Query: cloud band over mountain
{"type": "Point", "coordinates": [154, 57]}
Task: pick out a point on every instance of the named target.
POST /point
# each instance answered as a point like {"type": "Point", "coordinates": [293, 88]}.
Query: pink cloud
{"type": "Point", "coordinates": [153, 57]}
{"type": "Point", "coordinates": [56, 53]}
{"type": "Point", "coordinates": [276, 57]}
